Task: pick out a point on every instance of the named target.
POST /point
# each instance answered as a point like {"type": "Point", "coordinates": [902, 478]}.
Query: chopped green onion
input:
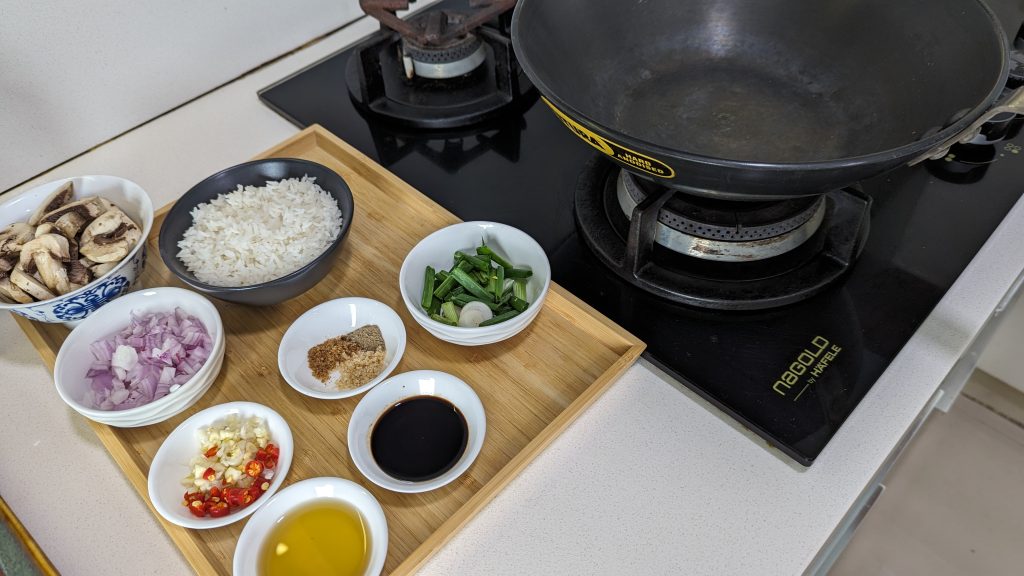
{"type": "Point", "coordinates": [498, 283]}
{"type": "Point", "coordinates": [448, 311]}
{"type": "Point", "coordinates": [519, 288]}
{"type": "Point", "coordinates": [477, 263]}
{"type": "Point", "coordinates": [519, 304]}
{"type": "Point", "coordinates": [463, 299]}
{"type": "Point", "coordinates": [428, 287]}
{"type": "Point", "coordinates": [500, 318]}
{"type": "Point", "coordinates": [518, 273]}
{"type": "Point", "coordinates": [440, 276]}
{"type": "Point", "coordinates": [449, 282]}
{"type": "Point", "coordinates": [435, 305]}
{"type": "Point", "coordinates": [485, 250]}
{"type": "Point", "coordinates": [469, 284]}
{"type": "Point", "coordinates": [455, 292]}
{"type": "Point", "coordinates": [443, 320]}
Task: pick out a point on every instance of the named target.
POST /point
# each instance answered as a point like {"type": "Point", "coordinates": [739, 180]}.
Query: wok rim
{"type": "Point", "coordinates": [663, 153]}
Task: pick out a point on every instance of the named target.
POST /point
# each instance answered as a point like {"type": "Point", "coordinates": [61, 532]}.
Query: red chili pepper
{"type": "Point", "coordinates": [218, 509]}
{"type": "Point", "coordinates": [247, 497]}
{"type": "Point", "coordinates": [273, 451]}
{"type": "Point", "coordinates": [197, 508]}
{"type": "Point", "coordinates": [261, 455]}
{"type": "Point", "coordinates": [264, 485]}
{"type": "Point", "coordinates": [215, 492]}
{"type": "Point", "coordinates": [233, 496]}
{"type": "Point", "coordinates": [254, 468]}
{"type": "Point", "coordinates": [211, 452]}
{"type": "Point", "coordinates": [210, 474]}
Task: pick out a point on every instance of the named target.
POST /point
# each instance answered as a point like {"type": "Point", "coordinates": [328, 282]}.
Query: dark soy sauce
{"type": "Point", "coordinates": [419, 438]}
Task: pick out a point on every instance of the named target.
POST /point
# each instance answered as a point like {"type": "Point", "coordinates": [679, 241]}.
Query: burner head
{"type": "Point", "coordinates": [455, 58]}
{"type": "Point", "coordinates": [722, 230]}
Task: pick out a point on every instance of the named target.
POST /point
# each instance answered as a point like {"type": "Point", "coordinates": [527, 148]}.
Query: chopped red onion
{"type": "Point", "coordinates": [142, 362]}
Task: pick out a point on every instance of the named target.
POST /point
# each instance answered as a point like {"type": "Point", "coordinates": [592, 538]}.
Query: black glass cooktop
{"type": "Point", "coordinates": [793, 374]}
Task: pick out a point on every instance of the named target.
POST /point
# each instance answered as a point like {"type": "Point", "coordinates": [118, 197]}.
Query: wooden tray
{"type": "Point", "coordinates": [532, 385]}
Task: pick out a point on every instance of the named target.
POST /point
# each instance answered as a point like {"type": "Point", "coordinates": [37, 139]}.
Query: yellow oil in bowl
{"type": "Point", "coordinates": [324, 537]}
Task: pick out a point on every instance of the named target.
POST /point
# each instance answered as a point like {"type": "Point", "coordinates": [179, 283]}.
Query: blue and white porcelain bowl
{"type": "Point", "coordinates": [73, 307]}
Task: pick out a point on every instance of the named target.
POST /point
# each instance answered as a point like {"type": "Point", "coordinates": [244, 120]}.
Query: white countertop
{"type": "Point", "coordinates": [650, 480]}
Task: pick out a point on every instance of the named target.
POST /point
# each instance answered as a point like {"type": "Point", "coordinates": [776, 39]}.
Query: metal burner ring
{"type": "Point", "coordinates": [461, 57]}
{"type": "Point", "coordinates": [748, 244]}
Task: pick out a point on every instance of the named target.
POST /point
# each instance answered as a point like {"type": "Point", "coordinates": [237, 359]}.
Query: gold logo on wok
{"type": "Point", "coordinates": [617, 151]}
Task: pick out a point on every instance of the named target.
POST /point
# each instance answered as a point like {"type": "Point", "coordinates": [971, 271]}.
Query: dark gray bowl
{"type": "Point", "coordinates": [256, 173]}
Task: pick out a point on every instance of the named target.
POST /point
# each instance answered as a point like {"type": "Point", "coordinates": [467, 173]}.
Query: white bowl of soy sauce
{"type": "Point", "coordinates": [417, 431]}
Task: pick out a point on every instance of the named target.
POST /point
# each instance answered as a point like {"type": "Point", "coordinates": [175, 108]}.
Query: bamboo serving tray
{"type": "Point", "coordinates": [532, 385]}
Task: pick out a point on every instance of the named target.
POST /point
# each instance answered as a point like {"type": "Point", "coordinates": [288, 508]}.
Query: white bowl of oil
{"type": "Point", "coordinates": [316, 526]}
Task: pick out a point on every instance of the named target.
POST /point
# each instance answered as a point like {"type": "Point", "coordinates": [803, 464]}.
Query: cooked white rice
{"type": "Point", "coordinates": [256, 234]}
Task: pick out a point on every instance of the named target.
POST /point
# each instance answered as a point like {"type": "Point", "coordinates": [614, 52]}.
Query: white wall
{"type": "Point", "coordinates": [74, 73]}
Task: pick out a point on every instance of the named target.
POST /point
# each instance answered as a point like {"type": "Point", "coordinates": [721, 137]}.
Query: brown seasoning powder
{"type": "Point", "coordinates": [349, 361]}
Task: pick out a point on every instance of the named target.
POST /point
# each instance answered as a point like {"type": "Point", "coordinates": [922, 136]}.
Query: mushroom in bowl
{"type": "Point", "coordinates": [70, 246]}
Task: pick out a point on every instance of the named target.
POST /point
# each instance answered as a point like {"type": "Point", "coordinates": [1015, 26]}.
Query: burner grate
{"type": "Point", "coordinates": [630, 247]}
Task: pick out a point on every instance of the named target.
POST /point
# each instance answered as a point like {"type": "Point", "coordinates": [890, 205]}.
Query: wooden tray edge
{"type": "Point", "coordinates": [34, 553]}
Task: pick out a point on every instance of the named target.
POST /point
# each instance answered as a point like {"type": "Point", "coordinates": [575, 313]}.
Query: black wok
{"type": "Point", "coordinates": [763, 99]}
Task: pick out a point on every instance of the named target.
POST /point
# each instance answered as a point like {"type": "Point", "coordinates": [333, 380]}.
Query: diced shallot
{"type": "Point", "coordinates": [155, 354]}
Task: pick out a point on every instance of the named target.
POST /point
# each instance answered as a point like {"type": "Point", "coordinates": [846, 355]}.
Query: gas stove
{"type": "Point", "coordinates": [785, 329]}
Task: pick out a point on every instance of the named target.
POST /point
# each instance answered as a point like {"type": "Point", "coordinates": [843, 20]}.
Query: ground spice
{"type": "Point", "coordinates": [349, 361]}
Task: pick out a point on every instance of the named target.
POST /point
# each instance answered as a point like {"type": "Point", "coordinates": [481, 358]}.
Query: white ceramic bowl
{"type": "Point", "coordinates": [436, 250]}
{"type": "Point", "coordinates": [406, 385]}
{"type": "Point", "coordinates": [247, 551]}
{"type": "Point", "coordinates": [183, 398]}
{"type": "Point", "coordinates": [330, 319]}
{"type": "Point", "coordinates": [480, 339]}
{"type": "Point", "coordinates": [76, 305]}
{"type": "Point", "coordinates": [74, 357]}
{"type": "Point", "coordinates": [171, 463]}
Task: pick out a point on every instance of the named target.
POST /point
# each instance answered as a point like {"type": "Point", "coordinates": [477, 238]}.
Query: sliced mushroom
{"type": "Point", "coordinates": [6, 264]}
{"type": "Point", "coordinates": [110, 237]}
{"type": "Point", "coordinates": [59, 198]}
{"type": "Point", "coordinates": [14, 237]}
{"type": "Point", "coordinates": [49, 252]}
{"type": "Point", "coordinates": [69, 224]}
{"type": "Point", "coordinates": [72, 250]}
{"type": "Point", "coordinates": [47, 228]}
{"type": "Point", "coordinates": [78, 273]}
{"type": "Point", "coordinates": [99, 270]}
{"type": "Point", "coordinates": [13, 293]}
{"type": "Point", "coordinates": [30, 285]}
{"type": "Point", "coordinates": [88, 208]}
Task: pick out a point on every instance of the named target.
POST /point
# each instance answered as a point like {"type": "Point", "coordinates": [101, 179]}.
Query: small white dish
{"type": "Point", "coordinates": [398, 388]}
{"type": "Point", "coordinates": [74, 358]}
{"type": "Point", "coordinates": [437, 249]}
{"type": "Point", "coordinates": [247, 551]}
{"type": "Point", "coordinates": [171, 463]}
{"type": "Point", "coordinates": [328, 320]}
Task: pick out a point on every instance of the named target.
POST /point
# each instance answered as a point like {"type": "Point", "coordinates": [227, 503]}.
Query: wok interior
{"type": "Point", "coordinates": [766, 80]}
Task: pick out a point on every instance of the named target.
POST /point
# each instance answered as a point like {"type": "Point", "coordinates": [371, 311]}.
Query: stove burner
{"type": "Point", "coordinates": [440, 69]}
{"type": "Point", "coordinates": [461, 57]}
{"type": "Point", "coordinates": [726, 231]}
{"type": "Point", "coordinates": [631, 247]}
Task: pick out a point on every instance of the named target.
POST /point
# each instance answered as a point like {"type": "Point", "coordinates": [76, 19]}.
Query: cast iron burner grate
{"type": "Point", "coordinates": [631, 247]}
{"type": "Point", "coordinates": [438, 69]}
